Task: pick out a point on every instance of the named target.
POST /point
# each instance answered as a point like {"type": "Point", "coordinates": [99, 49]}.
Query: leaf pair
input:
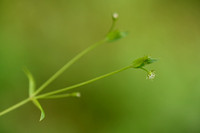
{"type": "Point", "coordinates": [32, 87]}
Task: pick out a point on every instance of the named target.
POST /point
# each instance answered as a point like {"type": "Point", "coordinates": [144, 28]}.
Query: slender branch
{"type": "Point", "coordinates": [144, 69]}
{"type": "Point", "coordinates": [34, 96]}
{"type": "Point", "coordinates": [61, 90]}
{"type": "Point", "coordinates": [112, 27]}
{"type": "Point", "coordinates": [15, 106]}
{"type": "Point", "coordinates": [74, 94]}
{"type": "Point", "coordinates": [114, 18]}
{"type": "Point", "coordinates": [66, 66]}
{"type": "Point", "coordinates": [81, 84]}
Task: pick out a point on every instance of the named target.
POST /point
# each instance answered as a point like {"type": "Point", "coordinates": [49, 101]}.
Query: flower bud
{"type": "Point", "coordinates": [116, 35]}
{"type": "Point", "coordinates": [143, 61]}
{"type": "Point", "coordinates": [115, 16]}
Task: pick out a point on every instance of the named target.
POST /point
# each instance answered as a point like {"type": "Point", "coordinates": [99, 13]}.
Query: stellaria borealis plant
{"type": "Point", "coordinates": [35, 96]}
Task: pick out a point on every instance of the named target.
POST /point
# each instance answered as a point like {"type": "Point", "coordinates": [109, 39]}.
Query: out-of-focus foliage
{"type": "Point", "coordinates": [44, 35]}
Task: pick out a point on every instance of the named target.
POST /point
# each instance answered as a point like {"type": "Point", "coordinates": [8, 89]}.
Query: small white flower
{"type": "Point", "coordinates": [115, 16]}
{"type": "Point", "coordinates": [151, 74]}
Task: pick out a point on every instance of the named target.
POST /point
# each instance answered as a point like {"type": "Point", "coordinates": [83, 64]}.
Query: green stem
{"type": "Point", "coordinates": [112, 26]}
{"type": "Point", "coordinates": [81, 84]}
{"type": "Point", "coordinates": [61, 90]}
{"type": "Point", "coordinates": [74, 94]}
{"type": "Point", "coordinates": [72, 61]}
{"type": "Point", "coordinates": [15, 106]}
{"type": "Point", "coordinates": [144, 69]}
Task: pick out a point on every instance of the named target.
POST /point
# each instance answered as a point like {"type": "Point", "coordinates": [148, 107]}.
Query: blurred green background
{"type": "Point", "coordinates": [44, 34]}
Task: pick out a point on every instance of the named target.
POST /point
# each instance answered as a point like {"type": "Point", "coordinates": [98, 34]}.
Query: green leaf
{"type": "Point", "coordinates": [37, 104]}
{"type": "Point", "coordinates": [32, 90]}
{"type": "Point", "coordinates": [116, 35]}
{"type": "Point", "coordinates": [143, 61]}
{"type": "Point", "coordinates": [31, 81]}
{"type": "Point", "coordinates": [74, 94]}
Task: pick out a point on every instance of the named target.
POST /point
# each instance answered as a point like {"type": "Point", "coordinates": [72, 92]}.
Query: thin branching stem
{"type": "Point", "coordinates": [112, 26]}
{"type": "Point", "coordinates": [61, 90]}
{"type": "Point", "coordinates": [74, 94]}
{"type": "Point", "coordinates": [112, 35]}
{"type": "Point", "coordinates": [67, 65]}
{"type": "Point", "coordinates": [15, 106]}
{"type": "Point", "coordinates": [81, 84]}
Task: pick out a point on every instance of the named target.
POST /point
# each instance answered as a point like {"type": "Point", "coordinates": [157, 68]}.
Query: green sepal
{"type": "Point", "coordinates": [116, 35]}
{"type": "Point", "coordinates": [143, 61]}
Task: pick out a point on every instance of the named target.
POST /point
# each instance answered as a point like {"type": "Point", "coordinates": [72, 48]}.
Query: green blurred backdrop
{"type": "Point", "coordinates": [44, 34]}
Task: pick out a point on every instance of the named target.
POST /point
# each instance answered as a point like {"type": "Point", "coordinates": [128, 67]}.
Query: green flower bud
{"type": "Point", "coordinates": [143, 61]}
{"type": "Point", "coordinates": [116, 35]}
{"type": "Point", "coordinates": [115, 16]}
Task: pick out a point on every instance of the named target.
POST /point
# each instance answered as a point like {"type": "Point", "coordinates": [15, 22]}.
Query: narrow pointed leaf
{"type": "Point", "coordinates": [31, 81]}
{"type": "Point", "coordinates": [37, 104]}
{"type": "Point", "coordinates": [74, 94]}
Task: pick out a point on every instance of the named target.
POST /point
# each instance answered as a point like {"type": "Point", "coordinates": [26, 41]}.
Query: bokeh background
{"type": "Point", "coordinates": [44, 34]}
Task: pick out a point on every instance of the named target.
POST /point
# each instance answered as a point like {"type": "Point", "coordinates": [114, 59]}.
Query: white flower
{"type": "Point", "coordinates": [151, 74]}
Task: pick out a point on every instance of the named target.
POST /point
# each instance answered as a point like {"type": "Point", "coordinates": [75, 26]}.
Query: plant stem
{"type": "Point", "coordinates": [61, 90]}
{"type": "Point", "coordinates": [81, 84]}
{"type": "Point", "coordinates": [144, 69]}
{"type": "Point", "coordinates": [67, 65]}
{"type": "Point", "coordinates": [15, 106]}
{"type": "Point", "coordinates": [112, 26]}
{"type": "Point", "coordinates": [74, 94]}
